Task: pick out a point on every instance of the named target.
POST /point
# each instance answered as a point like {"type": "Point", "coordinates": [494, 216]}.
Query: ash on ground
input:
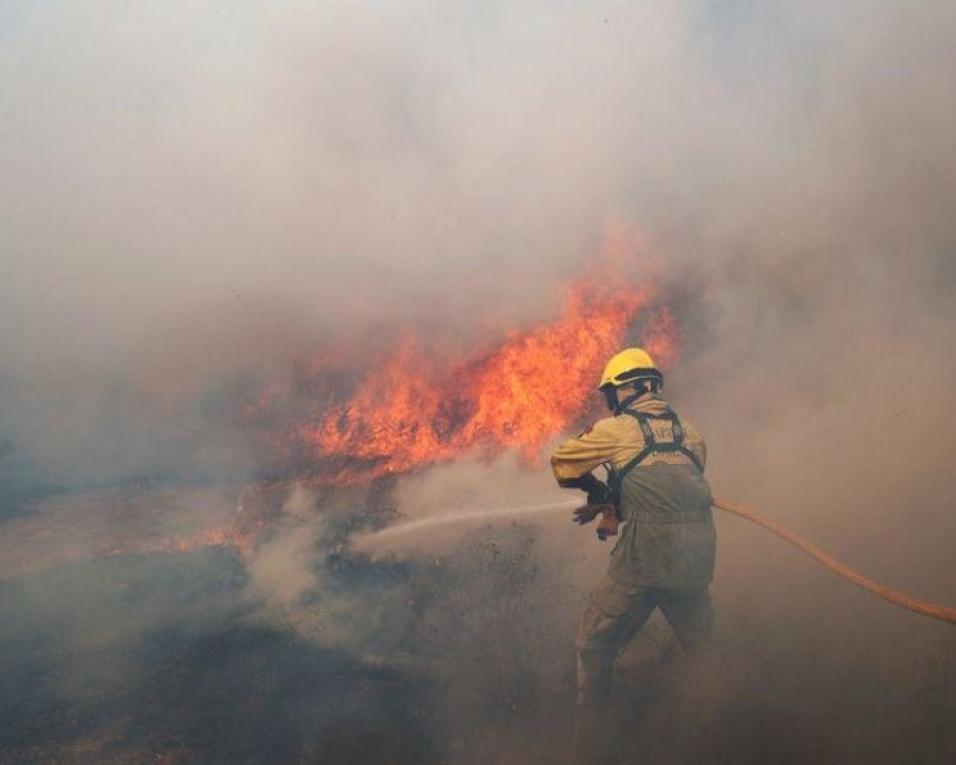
{"type": "Point", "coordinates": [294, 648]}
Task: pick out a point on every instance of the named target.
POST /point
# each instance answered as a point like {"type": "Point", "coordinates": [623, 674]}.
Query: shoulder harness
{"type": "Point", "coordinates": [652, 445]}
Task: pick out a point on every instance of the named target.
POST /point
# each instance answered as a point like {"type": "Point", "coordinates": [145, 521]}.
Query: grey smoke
{"type": "Point", "coordinates": [196, 194]}
{"type": "Point", "coordinates": [194, 197]}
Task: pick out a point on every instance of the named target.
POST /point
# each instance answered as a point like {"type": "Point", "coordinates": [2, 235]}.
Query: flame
{"type": "Point", "coordinates": [518, 394]}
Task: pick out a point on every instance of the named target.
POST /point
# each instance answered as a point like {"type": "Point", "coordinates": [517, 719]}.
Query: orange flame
{"type": "Point", "coordinates": [533, 385]}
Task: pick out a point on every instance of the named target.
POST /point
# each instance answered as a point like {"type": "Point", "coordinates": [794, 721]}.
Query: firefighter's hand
{"type": "Point", "coordinates": [609, 523]}
{"type": "Point", "coordinates": [585, 514]}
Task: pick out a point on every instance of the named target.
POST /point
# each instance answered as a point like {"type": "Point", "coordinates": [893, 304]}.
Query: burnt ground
{"type": "Point", "coordinates": [173, 657]}
{"type": "Point", "coordinates": [147, 659]}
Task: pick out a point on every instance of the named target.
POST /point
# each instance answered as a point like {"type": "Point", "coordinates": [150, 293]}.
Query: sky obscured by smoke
{"type": "Point", "coordinates": [195, 194]}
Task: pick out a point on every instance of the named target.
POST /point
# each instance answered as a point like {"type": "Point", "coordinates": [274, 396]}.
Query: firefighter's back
{"type": "Point", "coordinates": [668, 539]}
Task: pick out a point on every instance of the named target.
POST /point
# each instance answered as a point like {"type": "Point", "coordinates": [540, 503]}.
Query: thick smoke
{"type": "Point", "coordinates": [196, 197]}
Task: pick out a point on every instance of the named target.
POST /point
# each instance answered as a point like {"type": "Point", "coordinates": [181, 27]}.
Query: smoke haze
{"type": "Point", "coordinates": [194, 198]}
{"type": "Point", "coordinates": [193, 194]}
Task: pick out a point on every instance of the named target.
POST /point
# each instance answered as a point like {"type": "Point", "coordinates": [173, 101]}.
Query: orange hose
{"type": "Point", "coordinates": [924, 607]}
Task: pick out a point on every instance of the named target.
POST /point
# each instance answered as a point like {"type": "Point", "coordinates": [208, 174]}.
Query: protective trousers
{"type": "Point", "coordinates": [616, 612]}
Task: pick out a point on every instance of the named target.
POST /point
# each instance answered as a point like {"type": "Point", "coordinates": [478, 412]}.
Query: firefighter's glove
{"type": "Point", "coordinates": [598, 495]}
{"type": "Point", "coordinates": [610, 520]}
{"type": "Point", "coordinates": [586, 513]}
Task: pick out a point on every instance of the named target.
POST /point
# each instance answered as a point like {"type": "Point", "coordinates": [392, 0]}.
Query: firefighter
{"type": "Point", "coordinates": [664, 556]}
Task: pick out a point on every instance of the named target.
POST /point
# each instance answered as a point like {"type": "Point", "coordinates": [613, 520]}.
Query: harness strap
{"type": "Point", "coordinates": [651, 445]}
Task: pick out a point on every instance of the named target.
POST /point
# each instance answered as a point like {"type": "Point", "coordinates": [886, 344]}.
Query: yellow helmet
{"type": "Point", "coordinates": [629, 365]}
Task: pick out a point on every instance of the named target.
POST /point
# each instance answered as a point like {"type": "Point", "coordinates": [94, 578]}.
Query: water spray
{"type": "Point", "coordinates": [402, 529]}
{"type": "Point", "coordinates": [903, 600]}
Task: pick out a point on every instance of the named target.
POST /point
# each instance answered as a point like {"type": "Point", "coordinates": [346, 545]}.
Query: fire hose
{"type": "Point", "coordinates": [897, 598]}
{"type": "Point", "coordinates": [924, 607]}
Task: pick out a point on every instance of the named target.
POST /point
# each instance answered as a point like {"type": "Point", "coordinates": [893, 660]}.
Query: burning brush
{"type": "Point", "coordinates": [400, 411]}
{"type": "Point", "coordinates": [405, 412]}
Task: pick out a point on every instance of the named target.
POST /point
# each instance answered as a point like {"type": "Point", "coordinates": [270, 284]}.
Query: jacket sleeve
{"type": "Point", "coordinates": [581, 454]}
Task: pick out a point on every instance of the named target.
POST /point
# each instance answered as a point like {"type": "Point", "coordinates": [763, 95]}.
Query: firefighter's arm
{"type": "Point", "coordinates": [573, 461]}
{"type": "Point", "coordinates": [578, 456]}
{"type": "Point", "coordinates": [596, 489]}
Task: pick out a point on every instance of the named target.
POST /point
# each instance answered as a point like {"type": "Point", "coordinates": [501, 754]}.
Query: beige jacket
{"type": "Point", "coordinates": [617, 440]}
